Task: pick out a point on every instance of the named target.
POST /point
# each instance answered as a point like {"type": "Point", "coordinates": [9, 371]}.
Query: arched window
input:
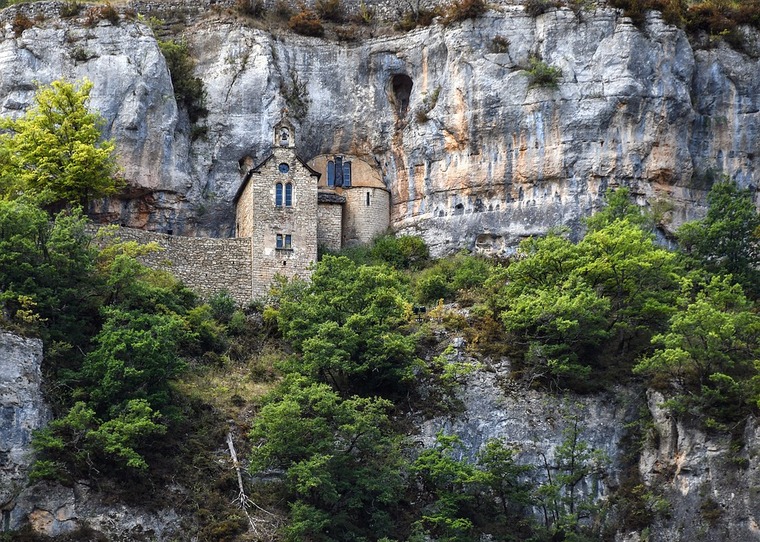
{"type": "Point", "coordinates": [330, 173]}
{"type": "Point", "coordinates": [346, 173]}
{"type": "Point", "coordinates": [288, 194]}
{"type": "Point", "coordinates": [278, 194]}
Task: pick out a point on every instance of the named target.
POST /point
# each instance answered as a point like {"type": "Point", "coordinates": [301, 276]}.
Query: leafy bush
{"type": "Point", "coordinates": [329, 10]}
{"type": "Point", "coordinates": [307, 23]}
{"type": "Point", "coordinates": [404, 252]}
{"type": "Point", "coordinates": [542, 74]}
{"type": "Point", "coordinates": [727, 240]}
{"type": "Point", "coordinates": [105, 12]}
{"type": "Point", "coordinates": [417, 17]}
{"type": "Point", "coordinates": [188, 89]}
{"type": "Point", "coordinates": [253, 8]}
{"type": "Point", "coordinates": [534, 8]}
{"type": "Point", "coordinates": [461, 10]}
{"type": "Point", "coordinates": [499, 44]}
{"type": "Point", "coordinates": [70, 8]}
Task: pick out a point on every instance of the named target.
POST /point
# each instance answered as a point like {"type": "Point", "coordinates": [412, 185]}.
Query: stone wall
{"type": "Point", "coordinates": [367, 214]}
{"type": "Point", "coordinates": [207, 265]}
{"type": "Point", "coordinates": [298, 220]}
{"type": "Point", "coordinates": [330, 225]}
{"type": "Point", "coordinates": [244, 213]}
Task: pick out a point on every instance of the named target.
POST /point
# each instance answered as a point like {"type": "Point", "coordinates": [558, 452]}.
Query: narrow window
{"type": "Point", "coordinates": [330, 173]}
{"type": "Point", "coordinates": [288, 194]}
{"type": "Point", "coordinates": [278, 194]}
{"type": "Point", "coordinates": [288, 241]}
{"type": "Point", "coordinates": [346, 173]}
{"type": "Point", "coordinates": [367, 199]}
{"type": "Point", "coordinates": [279, 240]}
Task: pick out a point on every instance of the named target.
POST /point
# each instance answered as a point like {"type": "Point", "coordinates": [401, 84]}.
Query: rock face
{"type": "Point", "coordinates": [22, 410]}
{"type": "Point", "coordinates": [710, 482]}
{"type": "Point", "coordinates": [475, 156]}
{"type": "Point", "coordinates": [705, 486]}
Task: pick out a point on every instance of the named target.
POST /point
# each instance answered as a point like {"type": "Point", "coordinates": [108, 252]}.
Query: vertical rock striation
{"type": "Point", "coordinates": [22, 410]}
{"type": "Point", "coordinates": [474, 154]}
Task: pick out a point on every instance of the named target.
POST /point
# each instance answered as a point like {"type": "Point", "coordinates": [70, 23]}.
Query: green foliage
{"type": "Point", "coordinates": [560, 498]}
{"type": "Point", "coordinates": [135, 356]}
{"type": "Point", "coordinates": [48, 268]}
{"type": "Point", "coordinates": [341, 460]}
{"type": "Point", "coordinates": [570, 307]}
{"type": "Point", "coordinates": [188, 89]}
{"type": "Point", "coordinates": [404, 252]}
{"type": "Point", "coordinates": [445, 482]}
{"type": "Point", "coordinates": [727, 240]}
{"type": "Point", "coordinates": [345, 325]}
{"type": "Point", "coordinates": [541, 74]}
{"type": "Point", "coordinates": [709, 352]}
{"type": "Point", "coordinates": [449, 276]}
{"type": "Point", "coordinates": [54, 153]}
{"type": "Point", "coordinates": [80, 443]}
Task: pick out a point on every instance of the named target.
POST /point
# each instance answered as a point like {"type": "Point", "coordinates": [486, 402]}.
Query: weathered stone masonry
{"type": "Point", "coordinates": [207, 265]}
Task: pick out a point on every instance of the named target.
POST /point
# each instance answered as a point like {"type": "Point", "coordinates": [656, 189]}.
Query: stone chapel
{"type": "Point", "coordinates": [289, 208]}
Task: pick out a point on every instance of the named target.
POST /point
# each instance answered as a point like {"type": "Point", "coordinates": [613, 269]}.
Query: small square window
{"type": "Point", "coordinates": [284, 241]}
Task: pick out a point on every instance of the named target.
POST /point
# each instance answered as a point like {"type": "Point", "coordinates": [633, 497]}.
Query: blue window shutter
{"type": "Point", "coordinates": [346, 173]}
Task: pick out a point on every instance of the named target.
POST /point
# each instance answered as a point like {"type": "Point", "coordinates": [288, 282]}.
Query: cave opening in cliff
{"type": "Point", "coordinates": [401, 85]}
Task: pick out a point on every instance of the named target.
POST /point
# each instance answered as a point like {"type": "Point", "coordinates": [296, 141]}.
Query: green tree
{"type": "Point", "coordinates": [55, 153]}
{"type": "Point", "coordinates": [188, 89]}
{"type": "Point", "coordinates": [727, 240]}
{"type": "Point", "coordinates": [135, 356]}
{"type": "Point", "coordinates": [567, 496]}
{"type": "Point", "coordinates": [446, 481]}
{"type": "Point", "coordinates": [341, 460]}
{"type": "Point", "coordinates": [80, 443]}
{"type": "Point", "coordinates": [710, 351]}
{"type": "Point", "coordinates": [505, 480]}
{"type": "Point", "coordinates": [48, 282]}
{"type": "Point", "coordinates": [345, 325]}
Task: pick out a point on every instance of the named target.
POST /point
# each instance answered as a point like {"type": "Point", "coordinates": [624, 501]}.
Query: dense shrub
{"type": "Point", "coordinates": [252, 8]}
{"type": "Point", "coordinates": [461, 10]}
{"type": "Point", "coordinates": [329, 10]}
{"type": "Point", "coordinates": [417, 17]}
{"type": "Point", "coordinates": [188, 89]}
{"type": "Point", "coordinates": [307, 23]}
{"type": "Point", "coordinates": [404, 252]}
{"type": "Point", "coordinates": [542, 74]}
{"type": "Point", "coordinates": [105, 12]}
{"type": "Point", "coordinates": [534, 8]}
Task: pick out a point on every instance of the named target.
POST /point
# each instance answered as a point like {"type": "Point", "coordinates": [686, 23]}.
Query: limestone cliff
{"type": "Point", "coordinates": [22, 410]}
{"type": "Point", "coordinates": [473, 155]}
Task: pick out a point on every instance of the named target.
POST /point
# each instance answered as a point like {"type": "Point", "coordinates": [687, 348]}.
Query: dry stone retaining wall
{"type": "Point", "coordinates": [207, 265]}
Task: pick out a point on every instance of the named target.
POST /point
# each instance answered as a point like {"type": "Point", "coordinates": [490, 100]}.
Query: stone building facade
{"type": "Point", "coordinates": [285, 209]}
{"type": "Point", "coordinates": [276, 207]}
{"type": "Point", "coordinates": [289, 208]}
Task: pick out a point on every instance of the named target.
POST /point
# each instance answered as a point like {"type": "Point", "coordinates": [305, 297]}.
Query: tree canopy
{"type": "Point", "coordinates": [54, 154]}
